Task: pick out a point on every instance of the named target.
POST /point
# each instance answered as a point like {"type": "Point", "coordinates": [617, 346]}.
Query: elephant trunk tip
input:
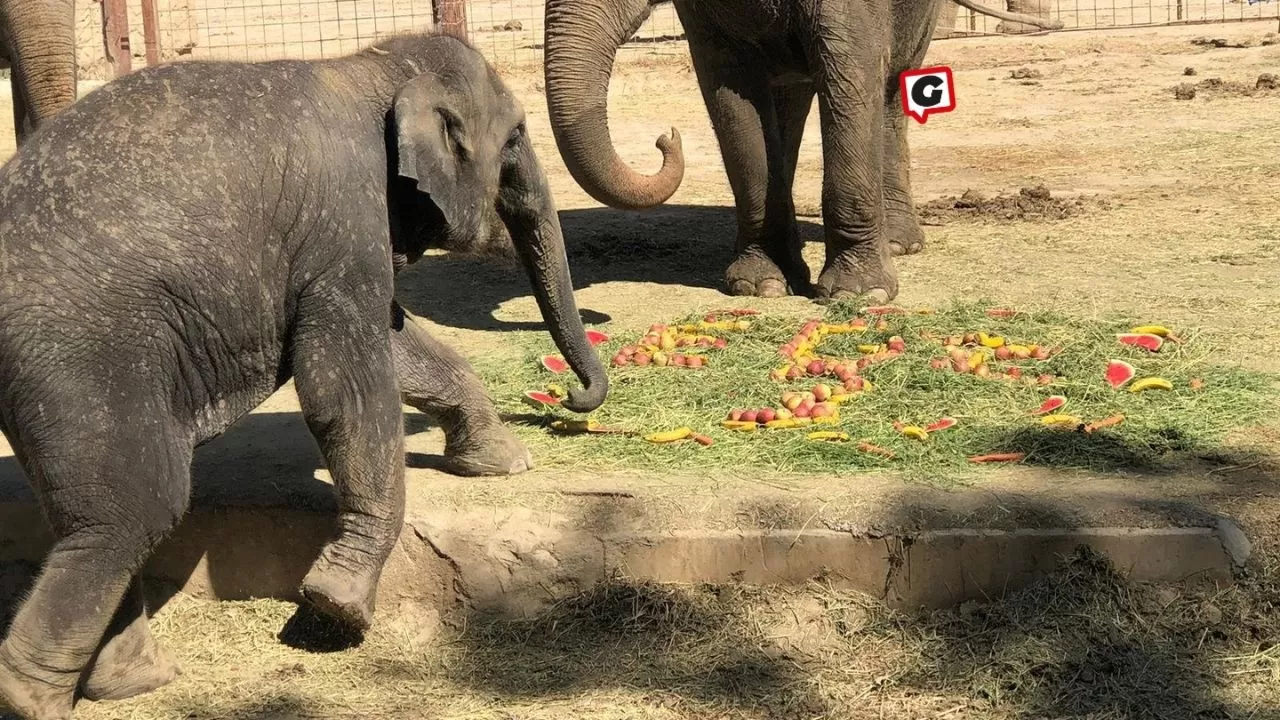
{"type": "Point", "coordinates": [587, 398]}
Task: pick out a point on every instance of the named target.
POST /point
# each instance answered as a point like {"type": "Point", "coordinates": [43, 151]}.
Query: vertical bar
{"type": "Point", "coordinates": [150, 33]}
{"type": "Point", "coordinates": [451, 17]}
{"type": "Point", "coordinates": [115, 35]}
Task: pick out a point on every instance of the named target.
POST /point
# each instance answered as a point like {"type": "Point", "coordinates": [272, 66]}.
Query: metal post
{"type": "Point", "coordinates": [115, 35]}
{"type": "Point", "coordinates": [451, 17]}
{"type": "Point", "coordinates": [150, 33]}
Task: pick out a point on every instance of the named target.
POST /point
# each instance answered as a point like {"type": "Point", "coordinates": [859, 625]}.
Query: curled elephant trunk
{"type": "Point", "coordinates": [42, 47]}
{"type": "Point", "coordinates": [582, 40]}
{"type": "Point", "coordinates": [529, 212]}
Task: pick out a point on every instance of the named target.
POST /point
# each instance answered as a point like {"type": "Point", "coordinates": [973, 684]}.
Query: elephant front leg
{"type": "Point", "coordinates": [901, 224]}
{"type": "Point", "coordinates": [736, 90]}
{"type": "Point", "coordinates": [438, 382]}
{"type": "Point", "coordinates": [854, 52]}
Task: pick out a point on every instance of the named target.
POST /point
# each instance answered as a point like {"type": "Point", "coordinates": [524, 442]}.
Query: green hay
{"type": "Point", "coordinates": [1160, 426]}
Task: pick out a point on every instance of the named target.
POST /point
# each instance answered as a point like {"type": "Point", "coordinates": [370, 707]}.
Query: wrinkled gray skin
{"type": "Point", "coordinates": [38, 39]}
{"type": "Point", "coordinates": [137, 320]}
{"type": "Point", "coordinates": [760, 63]}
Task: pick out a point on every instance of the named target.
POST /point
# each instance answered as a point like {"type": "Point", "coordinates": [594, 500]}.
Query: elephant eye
{"type": "Point", "coordinates": [516, 134]}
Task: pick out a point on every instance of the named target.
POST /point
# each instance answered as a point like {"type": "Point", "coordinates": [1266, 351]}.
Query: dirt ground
{"type": "Point", "coordinates": [1181, 226]}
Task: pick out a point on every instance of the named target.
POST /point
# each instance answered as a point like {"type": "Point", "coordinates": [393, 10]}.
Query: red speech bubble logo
{"type": "Point", "coordinates": [927, 91]}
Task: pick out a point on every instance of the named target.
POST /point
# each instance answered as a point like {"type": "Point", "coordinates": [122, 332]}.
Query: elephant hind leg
{"type": "Point", "coordinates": [735, 87]}
{"type": "Point", "coordinates": [110, 499]}
{"type": "Point", "coordinates": [130, 661]}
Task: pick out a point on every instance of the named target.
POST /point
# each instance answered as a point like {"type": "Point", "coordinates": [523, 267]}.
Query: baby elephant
{"type": "Point", "coordinates": [263, 212]}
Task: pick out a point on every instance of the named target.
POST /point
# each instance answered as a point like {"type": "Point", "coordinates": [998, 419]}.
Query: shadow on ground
{"type": "Point", "coordinates": [685, 245]}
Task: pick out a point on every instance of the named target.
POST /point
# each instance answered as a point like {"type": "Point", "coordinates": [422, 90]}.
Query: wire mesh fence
{"type": "Point", "coordinates": [510, 32]}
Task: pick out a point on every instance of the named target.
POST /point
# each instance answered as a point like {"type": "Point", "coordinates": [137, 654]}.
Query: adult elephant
{"type": "Point", "coordinates": [38, 39]}
{"type": "Point", "coordinates": [137, 321]}
{"type": "Point", "coordinates": [760, 63]}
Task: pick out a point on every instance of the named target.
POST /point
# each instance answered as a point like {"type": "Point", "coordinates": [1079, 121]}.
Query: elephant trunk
{"type": "Point", "coordinates": [582, 40]}
{"type": "Point", "coordinates": [529, 212]}
{"type": "Point", "coordinates": [42, 47]}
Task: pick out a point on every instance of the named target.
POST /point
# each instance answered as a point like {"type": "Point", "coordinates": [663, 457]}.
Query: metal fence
{"type": "Point", "coordinates": [510, 32]}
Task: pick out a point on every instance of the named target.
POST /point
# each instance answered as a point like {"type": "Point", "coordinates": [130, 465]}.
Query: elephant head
{"type": "Point", "coordinates": [39, 40]}
{"type": "Point", "coordinates": [465, 177]}
{"type": "Point", "coordinates": [582, 39]}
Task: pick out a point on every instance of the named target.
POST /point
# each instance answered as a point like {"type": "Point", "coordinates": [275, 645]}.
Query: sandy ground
{"type": "Point", "coordinates": [1191, 239]}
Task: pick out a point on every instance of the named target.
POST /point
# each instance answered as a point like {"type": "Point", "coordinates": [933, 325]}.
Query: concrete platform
{"type": "Point", "coordinates": [262, 507]}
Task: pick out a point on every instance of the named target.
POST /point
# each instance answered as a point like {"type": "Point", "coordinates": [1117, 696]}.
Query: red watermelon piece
{"type": "Point", "coordinates": [945, 423]}
{"type": "Point", "coordinates": [538, 398]}
{"type": "Point", "coordinates": [595, 337]}
{"type": "Point", "coordinates": [554, 363]}
{"type": "Point", "coordinates": [1146, 341]}
{"type": "Point", "coordinates": [1119, 372]}
{"type": "Point", "coordinates": [1050, 404]}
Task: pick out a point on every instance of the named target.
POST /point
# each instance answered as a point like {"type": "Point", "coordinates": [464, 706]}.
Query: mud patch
{"type": "Point", "coordinates": [1030, 203]}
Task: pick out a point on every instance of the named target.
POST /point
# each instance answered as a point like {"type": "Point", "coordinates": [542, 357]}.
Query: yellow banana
{"type": "Point", "coordinates": [828, 435]}
{"type": "Point", "coordinates": [1056, 420]}
{"type": "Point", "coordinates": [827, 420]}
{"type": "Point", "coordinates": [1153, 383]}
{"type": "Point", "coordinates": [670, 435]}
{"type": "Point", "coordinates": [977, 359]}
{"type": "Point", "coordinates": [1160, 330]}
{"type": "Point", "coordinates": [738, 425]}
{"type": "Point", "coordinates": [869, 349]}
{"type": "Point", "coordinates": [915, 432]}
{"type": "Point", "coordinates": [991, 341]}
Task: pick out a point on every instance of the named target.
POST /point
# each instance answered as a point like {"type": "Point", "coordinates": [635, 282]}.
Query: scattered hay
{"type": "Point", "coordinates": [1031, 203]}
{"type": "Point", "coordinates": [1264, 85]}
{"type": "Point", "coordinates": [1025, 73]}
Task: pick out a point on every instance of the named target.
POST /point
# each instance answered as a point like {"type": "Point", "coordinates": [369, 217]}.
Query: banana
{"type": "Point", "coordinates": [788, 423]}
{"type": "Point", "coordinates": [1152, 383]}
{"type": "Point", "coordinates": [869, 349]}
{"type": "Point", "coordinates": [742, 425]}
{"type": "Point", "coordinates": [670, 435]}
{"type": "Point", "coordinates": [827, 420]}
{"type": "Point", "coordinates": [830, 435]}
{"type": "Point", "coordinates": [991, 341]}
{"type": "Point", "coordinates": [1160, 330]}
{"type": "Point", "coordinates": [1056, 420]}
{"type": "Point", "coordinates": [574, 425]}
{"type": "Point", "coordinates": [915, 432]}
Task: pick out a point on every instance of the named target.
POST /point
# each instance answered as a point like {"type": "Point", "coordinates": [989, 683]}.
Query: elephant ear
{"type": "Point", "coordinates": [431, 148]}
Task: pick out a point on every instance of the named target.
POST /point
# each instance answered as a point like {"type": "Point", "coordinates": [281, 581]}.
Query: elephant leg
{"type": "Point", "coordinates": [854, 51]}
{"type": "Point", "coordinates": [346, 384]}
{"type": "Point", "coordinates": [437, 381]}
{"type": "Point", "coordinates": [741, 105]}
{"type": "Point", "coordinates": [130, 662]}
{"type": "Point", "coordinates": [110, 499]}
{"type": "Point", "coordinates": [913, 31]}
{"type": "Point", "coordinates": [791, 105]}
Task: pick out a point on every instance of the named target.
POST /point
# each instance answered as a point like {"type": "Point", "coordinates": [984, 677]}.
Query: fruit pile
{"type": "Point", "coordinates": [969, 353]}
{"type": "Point", "coordinates": [659, 343]}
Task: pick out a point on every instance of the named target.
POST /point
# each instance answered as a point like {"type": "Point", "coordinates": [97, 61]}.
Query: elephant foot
{"type": "Point", "coordinates": [905, 235]}
{"type": "Point", "coordinates": [130, 664]}
{"type": "Point", "coordinates": [31, 699]}
{"type": "Point", "coordinates": [341, 596]}
{"type": "Point", "coordinates": [490, 450]}
{"type": "Point", "coordinates": [755, 274]}
{"type": "Point", "coordinates": [859, 272]}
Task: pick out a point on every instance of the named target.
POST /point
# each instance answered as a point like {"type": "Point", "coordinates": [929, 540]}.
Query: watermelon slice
{"type": "Point", "coordinates": [1050, 404]}
{"type": "Point", "coordinates": [537, 398]}
{"type": "Point", "coordinates": [1146, 341]}
{"type": "Point", "coordinates": [942, 424]}
{"type": "Point", "coordinates": [595, 337]}
{"type": "Point", "coordinates": [554, 363]}
{"type": "Point", "coordinates": [1119, 372]}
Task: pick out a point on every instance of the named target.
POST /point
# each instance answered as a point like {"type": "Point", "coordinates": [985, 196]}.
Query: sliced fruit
{"type": "Point", "coordinates": [998, 457]}
{"type": "Point", "coordinates": [669, 436]}
{"type": "Point", "coordinates": [867, 447]}
{"type": "Point", "coordinates": [1152, 383]}
{"type": "Point", "coordinates": [914, 432]}
{"type": "Point", "coordinates": [703, 440]}
{"type": "Point", "coordinates": [1051, 403]}
{"type": "Point", "coordinates": [1060, 421]}
{"type": "Point", "coordinates": [537, 398]}
{"type": "Point", "coordinates": [945, 423]}
{"type": "Point", "coordinates": [1146, 341]}
{"type": "Point", "coordinates": [828, 436]}
{"type": "Point", "coordinates": [1119, 372]}
{"type": "Point", "coordinates": [1104, 423]}
{"type": "Point", "coordinates": [595, 337]}
{"type": "Point", "coordinates": [554, 363]}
